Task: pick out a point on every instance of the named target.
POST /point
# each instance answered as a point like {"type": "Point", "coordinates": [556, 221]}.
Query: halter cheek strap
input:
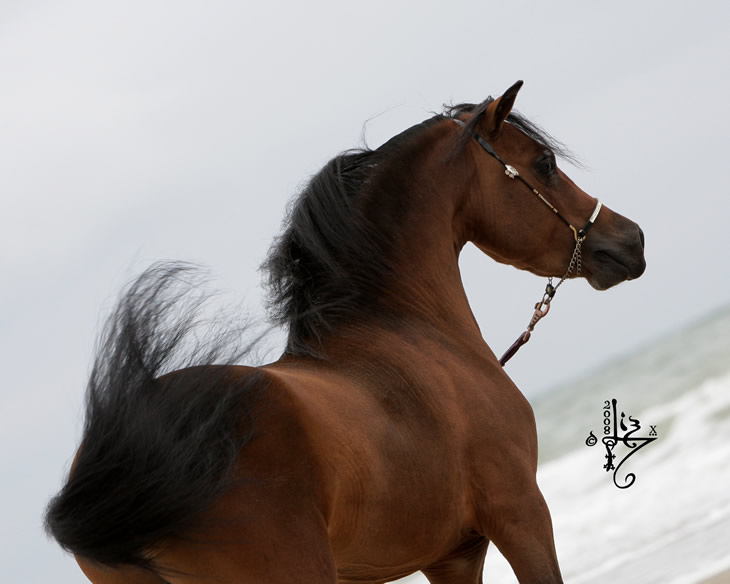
{"type": "Point", "coordinates": [513, 173]}
{"type": "Point", "coordinates": [579, 235]}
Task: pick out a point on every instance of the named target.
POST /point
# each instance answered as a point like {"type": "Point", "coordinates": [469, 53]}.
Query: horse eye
{"type": "Point", "coordinates": [546, 165]}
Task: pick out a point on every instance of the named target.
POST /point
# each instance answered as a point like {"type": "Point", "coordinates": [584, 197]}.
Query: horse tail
{"type": "Point", "coordinates": [158, 448]}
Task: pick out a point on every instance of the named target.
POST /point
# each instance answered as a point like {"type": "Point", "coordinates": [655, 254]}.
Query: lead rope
{"type": "Point", "coordinates": [543, 307]}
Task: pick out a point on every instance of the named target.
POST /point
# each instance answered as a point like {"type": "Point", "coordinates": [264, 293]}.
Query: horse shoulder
{"type": "Point", "coordinates": [385, 460]}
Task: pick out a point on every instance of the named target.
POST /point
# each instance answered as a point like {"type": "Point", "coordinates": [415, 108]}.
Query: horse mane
{"type": "Point", "coordinates": [333, 260]}
{"type": "Point", "coordinates": [157, 450]}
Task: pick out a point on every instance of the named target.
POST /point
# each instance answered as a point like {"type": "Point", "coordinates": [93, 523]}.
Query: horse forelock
{"type": "Point", "coordinates": [515, 118]}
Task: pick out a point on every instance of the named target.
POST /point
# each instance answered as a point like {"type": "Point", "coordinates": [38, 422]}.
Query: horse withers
{"type": "Point", "coordinates": [387, 439]}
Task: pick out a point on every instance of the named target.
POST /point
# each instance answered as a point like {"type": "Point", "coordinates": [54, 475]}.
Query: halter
{"type": "Point", "coordinates": [579, 235]}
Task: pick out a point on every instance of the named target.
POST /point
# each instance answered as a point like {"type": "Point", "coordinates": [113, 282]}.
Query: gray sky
{"type": "Point", "coordinates": [135, 131]}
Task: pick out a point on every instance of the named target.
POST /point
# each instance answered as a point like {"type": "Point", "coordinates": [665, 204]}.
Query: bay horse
{"type": "Point", "coordinates": [387, 439]}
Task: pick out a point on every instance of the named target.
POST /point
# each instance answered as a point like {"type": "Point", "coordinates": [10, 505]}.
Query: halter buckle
{"type": "Point", "coordinates": [510, 171]}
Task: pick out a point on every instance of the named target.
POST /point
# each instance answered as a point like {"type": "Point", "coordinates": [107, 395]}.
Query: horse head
{"type": "Point", "coordinates": [534, 217]}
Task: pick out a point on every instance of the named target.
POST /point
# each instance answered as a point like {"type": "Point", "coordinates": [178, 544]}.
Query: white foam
{"type": "Point", "coordinates": [682, 491]}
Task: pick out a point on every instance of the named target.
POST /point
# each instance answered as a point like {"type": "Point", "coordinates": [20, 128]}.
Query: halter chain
{"type": "Point", "coordinates": [579, 235]}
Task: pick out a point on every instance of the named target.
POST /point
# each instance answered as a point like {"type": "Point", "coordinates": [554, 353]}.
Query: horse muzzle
{"type": "Point", "coordinates": [610, 260]}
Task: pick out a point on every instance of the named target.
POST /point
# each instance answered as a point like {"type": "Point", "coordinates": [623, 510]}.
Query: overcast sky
{"type": "Point", "coordinates": [139, 130]}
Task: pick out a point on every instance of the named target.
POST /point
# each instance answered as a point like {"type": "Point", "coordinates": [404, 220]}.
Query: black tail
{"type": "Point", "coordinates": [156, 451]}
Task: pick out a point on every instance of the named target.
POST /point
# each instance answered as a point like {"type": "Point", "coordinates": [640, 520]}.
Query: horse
{"type": "Point", "coordinates": [387, 439]}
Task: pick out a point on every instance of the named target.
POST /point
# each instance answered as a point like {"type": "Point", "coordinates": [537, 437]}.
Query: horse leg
{"type": "Point", "coordinates": [521, 528]}
{"type": "Point", "coordinates": [463, 566]}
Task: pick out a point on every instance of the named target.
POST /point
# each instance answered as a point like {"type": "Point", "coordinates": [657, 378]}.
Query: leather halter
{"type": "Point", "coordinates": [579, 235]}
{"type": "Point", "coordinates": [513, 173]}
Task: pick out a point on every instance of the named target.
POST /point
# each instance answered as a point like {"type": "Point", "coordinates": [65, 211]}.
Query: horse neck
{"type": "Point", "coordinates": [428, 288]}
{"type": "Point", "coordinates": [426, 309]}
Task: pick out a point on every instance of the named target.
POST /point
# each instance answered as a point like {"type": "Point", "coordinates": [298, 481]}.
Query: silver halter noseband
{"type": "Point", "coordinates": [579, 235]}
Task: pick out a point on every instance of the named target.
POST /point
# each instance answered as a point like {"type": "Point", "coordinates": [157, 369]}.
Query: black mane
{"type": "Point", "coordinates": [333, 260]}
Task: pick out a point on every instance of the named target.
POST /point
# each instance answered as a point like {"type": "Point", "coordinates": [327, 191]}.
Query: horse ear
{"type": "Point", "coordinates": [500, 108]}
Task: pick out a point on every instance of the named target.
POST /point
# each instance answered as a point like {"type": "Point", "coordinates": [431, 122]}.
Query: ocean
{"type": "Point", "coordinates": [672, 525]}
